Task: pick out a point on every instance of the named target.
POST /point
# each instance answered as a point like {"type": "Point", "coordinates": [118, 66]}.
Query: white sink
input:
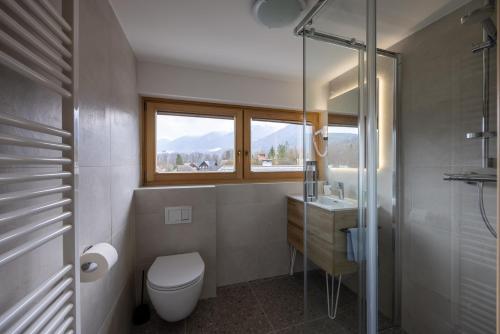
{"type": "Point", "coordinates": [331, 203]}
{"type": "Point", "coordinates": [336, 203]}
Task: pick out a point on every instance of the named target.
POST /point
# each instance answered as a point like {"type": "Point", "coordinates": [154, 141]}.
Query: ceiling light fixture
{"type": "Point", "coordinates": [277, 13]}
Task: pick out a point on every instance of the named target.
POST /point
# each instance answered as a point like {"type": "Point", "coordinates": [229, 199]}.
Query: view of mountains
{"type": "Point", "coordinates": [264, 137]}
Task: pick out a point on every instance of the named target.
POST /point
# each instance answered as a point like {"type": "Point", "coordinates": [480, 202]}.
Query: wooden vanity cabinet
{"type": "Point", "coordinates": [326, 243]}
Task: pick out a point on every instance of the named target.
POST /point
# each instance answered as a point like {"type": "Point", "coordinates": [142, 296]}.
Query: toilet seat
{"type": "Point", "coordinates": [175, 272]}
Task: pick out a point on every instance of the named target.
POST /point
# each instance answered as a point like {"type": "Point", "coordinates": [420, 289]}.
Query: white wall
{"type": "Point", "coordinates": [161, 80]}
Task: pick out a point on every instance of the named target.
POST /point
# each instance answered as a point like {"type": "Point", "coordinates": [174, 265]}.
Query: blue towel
{"type": "Point", "coordinates": [355, 252]}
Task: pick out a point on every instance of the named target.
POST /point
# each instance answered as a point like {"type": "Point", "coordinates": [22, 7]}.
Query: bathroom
{"type": "Point", "coordinates": [209, 151]}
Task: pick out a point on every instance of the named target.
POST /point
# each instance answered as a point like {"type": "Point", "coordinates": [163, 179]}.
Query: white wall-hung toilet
{"type": "Point", "coordinates": [174, 285]}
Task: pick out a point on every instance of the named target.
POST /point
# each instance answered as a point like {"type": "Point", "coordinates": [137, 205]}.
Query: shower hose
{"type": "Point", "coordinates": [483, 211]}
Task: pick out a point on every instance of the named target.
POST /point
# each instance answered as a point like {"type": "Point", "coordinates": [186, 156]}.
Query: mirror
{"type": "Point", "coordinates": [343, 133]}
{"type": "Point", "coordinates": [343, 130]}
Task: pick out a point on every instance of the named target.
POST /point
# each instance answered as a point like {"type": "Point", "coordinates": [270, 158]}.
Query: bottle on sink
{"type": "Point", "coordinates": [311, 184]}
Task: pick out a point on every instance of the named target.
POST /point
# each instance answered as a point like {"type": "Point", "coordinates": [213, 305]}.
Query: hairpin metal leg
{"type": "Point", "coordinates": [330, 296]}
{"type": "Point", "coordinates": [293, 254]}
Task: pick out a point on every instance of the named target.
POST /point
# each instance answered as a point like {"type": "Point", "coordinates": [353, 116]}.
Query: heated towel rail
{"type": "Point", "coordinates": [39, 42]}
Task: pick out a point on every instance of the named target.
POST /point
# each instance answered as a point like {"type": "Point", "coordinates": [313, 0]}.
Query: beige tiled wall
{"type": "Point", "coordinates": [109, 162]}
{"type": "Point", "coordinates": [155, 238]}
{"type": "Point", "coordinates": [239, 230]}
{"type": "Point", "coordinates": [251, 231]}
{"type": "Point", "coordinates": [448, 255]}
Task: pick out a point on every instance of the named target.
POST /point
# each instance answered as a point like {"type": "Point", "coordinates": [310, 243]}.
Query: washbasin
{"type": "Point", "coordinates": [337, 203]}
{"type": "Point", "coordinates": [331, 203]}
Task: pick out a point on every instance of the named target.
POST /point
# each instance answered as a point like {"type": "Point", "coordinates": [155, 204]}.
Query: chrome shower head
{"type": "Point", "coordinates": [478, 15]}
{"type": "Point", "coordinates": [482, 15]}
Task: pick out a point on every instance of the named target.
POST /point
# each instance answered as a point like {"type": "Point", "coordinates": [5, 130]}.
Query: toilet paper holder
{"type": "Point", "coordinates": [88, 267]}
{"type": "Point", "coordinates": [96, 261]}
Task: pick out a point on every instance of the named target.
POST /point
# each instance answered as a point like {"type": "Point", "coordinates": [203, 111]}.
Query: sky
{"type": "Point", "coordinates": [172, 127]}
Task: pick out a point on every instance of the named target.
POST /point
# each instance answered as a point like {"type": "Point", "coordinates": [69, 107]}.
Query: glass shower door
{"type": "Point", "coordinates": [335, 224]}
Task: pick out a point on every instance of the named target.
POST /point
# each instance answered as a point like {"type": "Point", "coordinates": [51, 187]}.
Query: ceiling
{"type": "Point", "coordinates": [222, 35]}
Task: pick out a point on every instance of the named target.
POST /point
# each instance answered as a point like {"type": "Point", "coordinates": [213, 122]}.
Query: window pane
{"type": "Point", "coordinates": [342, 147]}
{"type": "Point", "coordinates": [194, 144]}
{"type": "Point", "coordinates": [277, 146]}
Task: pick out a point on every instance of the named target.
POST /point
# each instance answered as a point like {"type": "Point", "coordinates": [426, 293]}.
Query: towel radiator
{"type": "Point", "coordinates": [40, 43]}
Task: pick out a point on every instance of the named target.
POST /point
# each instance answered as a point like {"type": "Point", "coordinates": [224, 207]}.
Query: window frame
{"type": "Point", "coordinates": [242, 115]}
{"type": "Point", "coordinates": [190, 109]}
{"type": "Point", "coordinates": [270, 115]}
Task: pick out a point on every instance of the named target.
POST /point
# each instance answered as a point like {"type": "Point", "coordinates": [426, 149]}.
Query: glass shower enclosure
{"type": "Point", "coordinates": [350, 229]}
{"type": "Point", "coordinates": [399, 211]}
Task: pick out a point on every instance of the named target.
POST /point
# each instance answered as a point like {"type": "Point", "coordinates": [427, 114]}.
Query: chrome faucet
{"type": "Point", "coordinates": [339, 186]}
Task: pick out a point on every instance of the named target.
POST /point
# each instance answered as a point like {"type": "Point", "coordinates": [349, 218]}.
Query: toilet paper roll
{"type": "Point", "coordinates": [96, 261]}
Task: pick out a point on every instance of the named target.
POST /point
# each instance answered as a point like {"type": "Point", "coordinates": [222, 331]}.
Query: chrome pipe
{"type": "Point", "coordinates": [371, 167]}
{"type": "Point", "coordinates": [19, 177]}
{"type": "Point", "coordinates": [33, 40]}
{"type": "Point", "coordinates": [36, 26]}
{"type": "Point", "coordinates": [485, 122]}
{"type": "Point", "coordinates": [48, 20]}
{"type": "Point", "coordinates": [27, 229]}
{"type": "Point", "coordinates": [18, 122]}
{"type": "Point", "coordinates": [35, 311]}
{"type": "Point", "coordinates": [27, 194]}
{"type": "Point", "coordinates": [70, 122]}
{"type": "Point", "coordinates": [28, 72]}
{"type": "Point", "coordinates": [361, 190]}
{"type": "Point", "coordinates": [24, 303]}
{"type": "Point", "coordinates": [397, 197]}
{"type": "Point", "coordinates": [309, 16]}
{"type": "Point", "coordinates": [32, 210]}
{"type": "Point", "coordinates": [49, 313]}
{"type": "Point", "coordinates": [29, 142]}
{"type": "Point", "coordinates": [33, 57]}
{"type": "Point", "coordinates": [304, 148]}
{"type": "Point", "coordinates": [65, 325]}
{"type": "Point", "coordinates": [344, 42]}
{"type": "Point", "coordinates": [20, 160]}
{"type": "Point", "coordinates": [55, 14]}
{"type": "Point", "coordinates": [470, 177]}
{"type": "Point", "coordinates": [29, 246]}
{"type": "Point", "coordinates": [57, 320]}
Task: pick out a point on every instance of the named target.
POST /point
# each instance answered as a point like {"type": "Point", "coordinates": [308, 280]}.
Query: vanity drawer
{"type": "Point", "coordinates": [320, 223]}
{"type": "Point", "coordinates": [346, 219]}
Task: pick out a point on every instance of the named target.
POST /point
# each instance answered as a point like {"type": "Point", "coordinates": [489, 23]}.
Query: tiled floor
{"type": "Point", "coordinates": [272, 305]}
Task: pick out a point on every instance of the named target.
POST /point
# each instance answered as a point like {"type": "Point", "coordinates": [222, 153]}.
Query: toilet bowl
{"type": "Point", "coordinates": [174, 285]}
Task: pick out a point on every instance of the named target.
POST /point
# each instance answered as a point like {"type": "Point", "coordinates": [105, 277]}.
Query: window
{"type": "Point", "coordinates": [189, 143]}
{"type": "Point", "coordinates": [194, 144]}
{"type": "Point", "coordinates": [276, 146]}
